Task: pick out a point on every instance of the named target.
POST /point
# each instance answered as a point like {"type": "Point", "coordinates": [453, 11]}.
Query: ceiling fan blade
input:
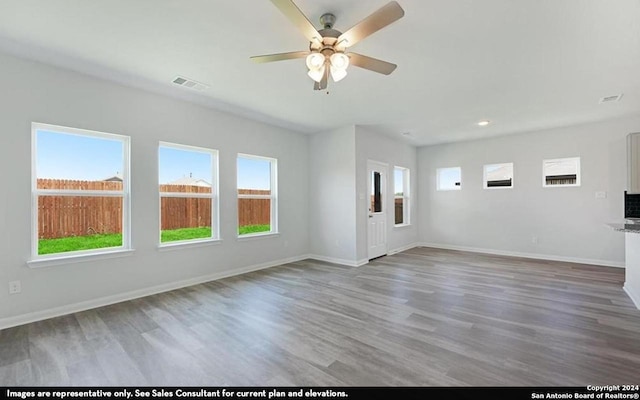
{"type": "Point", "coordinates": [279, 57]}
{"type": "Point", "coordinates": [291, 11]}
{"type": "Point", "coordinates": [372, 64]}
{"type": "Point", "coordinates": [373, 23]}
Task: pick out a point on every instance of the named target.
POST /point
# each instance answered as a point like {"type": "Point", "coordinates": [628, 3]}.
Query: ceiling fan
{"type": "Point", "coordinates": [327, 47]}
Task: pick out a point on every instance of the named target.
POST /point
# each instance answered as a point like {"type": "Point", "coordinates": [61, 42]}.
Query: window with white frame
{"type": "Point", "coordinates": [498, 176]}
{"type": "Point", "coordinates": [561, 172]}
{"type": "Point", "coordinates": [80, 190]}
{"type": "Point", "coordinates": [257, 195]}
{"type": "Point", "coordinates": [188, 186]}
{"type": "Point", "coordinates": [449, 178]}
{"type": "Point", "coordinates": [401, 184]}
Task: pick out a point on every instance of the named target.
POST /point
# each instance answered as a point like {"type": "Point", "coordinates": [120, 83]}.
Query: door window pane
{"type": "Point", "coordinates": [376, 192]}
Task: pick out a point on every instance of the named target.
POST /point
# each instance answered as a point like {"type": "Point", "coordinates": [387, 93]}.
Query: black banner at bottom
{"type": "Point", "coordinates": [612, 392]}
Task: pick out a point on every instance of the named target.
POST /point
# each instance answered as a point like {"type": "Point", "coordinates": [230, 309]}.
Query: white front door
{"type": "Point", "coordinates": [377, 227]}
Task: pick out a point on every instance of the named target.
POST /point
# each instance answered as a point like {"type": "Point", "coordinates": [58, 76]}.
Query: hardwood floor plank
{"type": "Point", "coordinates": [14, 345]}
{"type": "Point", "coordinates": [17, 374]}
{"type": "Point", "coordinates": [423, 317]}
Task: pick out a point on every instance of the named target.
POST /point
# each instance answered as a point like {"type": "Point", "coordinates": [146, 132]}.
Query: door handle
{"type": "Point", "coordinates": [370, 216]}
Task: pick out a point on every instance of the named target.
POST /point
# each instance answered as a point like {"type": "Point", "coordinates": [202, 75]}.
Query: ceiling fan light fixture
{"type": "Point", "coordinates": [338, 74]}
{"type": "Point", "coordinates": [327, 46]}
{"type": "Point", "coordinates": [339, 61]}
{"type": "Point", "coordinates": [317, 73]}
{"type": "Point", "coordinates": [344, 43]}
{"type": "Point", "coordinates": [315, 60]}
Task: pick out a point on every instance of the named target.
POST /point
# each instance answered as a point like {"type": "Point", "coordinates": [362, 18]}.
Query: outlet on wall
{"type": "Point", "coordinates": [15, 287]}
{"type": "Point", "coordinates": [534, 239]}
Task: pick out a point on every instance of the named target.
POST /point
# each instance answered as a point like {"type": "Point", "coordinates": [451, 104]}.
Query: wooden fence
{"type": "Point", "coordinates": [399, 212]}
{"type": "Point", "coordinates": [254, 211]}
{"type": "Point", "coordinates": [63, 216]}
{"type": "Point", "coordinates": [397, 209]}
{"type": "Point", "coordinates": [184, 212]}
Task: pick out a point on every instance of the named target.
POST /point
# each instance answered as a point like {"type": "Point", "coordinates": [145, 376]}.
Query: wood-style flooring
{"type": "Point", "coordinates": [423, 317]}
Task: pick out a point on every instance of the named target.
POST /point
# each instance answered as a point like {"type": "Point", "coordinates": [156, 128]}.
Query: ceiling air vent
{"type": "Point", "coordinates": [611, 99]}
{"type": "Point", "coordinates": [190, 83]}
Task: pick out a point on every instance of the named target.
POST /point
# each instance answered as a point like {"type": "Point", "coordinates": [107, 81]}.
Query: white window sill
{"type": "Point", "coordinates": [77, 258]}
{"type": "Point", "coordinates": [170, 246]}
{"type": "Point", "coordinates": [401, 225]}
{"type": "Point", "coordinates": [254, 236]}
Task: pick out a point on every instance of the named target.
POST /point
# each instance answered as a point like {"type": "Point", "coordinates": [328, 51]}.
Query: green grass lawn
{"type": "Point", "coordinates": [248, 229]}
{"type": "Point", "coordinates": [185, 234]}
{"type": "Point", "coordinates": [75, 243]}
{"type": "Point", "coordinates": [89, 242]}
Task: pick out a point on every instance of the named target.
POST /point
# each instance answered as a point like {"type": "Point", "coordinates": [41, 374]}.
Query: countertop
{"type": "Point", "coordinates": [631, 227]}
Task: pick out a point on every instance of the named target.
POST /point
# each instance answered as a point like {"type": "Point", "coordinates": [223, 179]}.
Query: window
{"type": "Point", "coordinates": [80, 189]}
{"type": "Point", "coordinates": [257, 199]}
{"type": "Point", "coordinates": [401, 195]}
{"type": "Point", "coordinates": [561, 172]}
{"type": "Point", "coordinates": [498, 176]}
{"type": "Point", "coordinates": [187, 179]}
{"type": "Point", "coordinates": [376, 192]}
{"type": "Point", "coordinates": [449, 178]}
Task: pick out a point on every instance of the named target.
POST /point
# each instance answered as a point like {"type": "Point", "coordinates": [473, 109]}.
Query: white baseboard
{"type": "Point", "coordinates": [118, 298]}
{"type": "Point", "coordinates": [403, 248]}
{"type": "Point", "coordinates": [536, 256]}
{"type": "Point", "coordinates": [635, 297]}
{"type": "Point", "coordinates": [362, 262]}
{"type": "Point", "coordinates": [359, 263]}
{"type": "Point", "coordinates": [341, 261]}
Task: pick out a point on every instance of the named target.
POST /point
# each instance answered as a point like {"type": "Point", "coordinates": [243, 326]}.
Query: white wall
{"type": "Point", "coordinates": [332, 195]}
{"type": "Point", "coordinates": [36, 92]}
{"type": "Point", "coordinates": [568, 222]}
{"type": "Point", "coordinates": [376, 147]}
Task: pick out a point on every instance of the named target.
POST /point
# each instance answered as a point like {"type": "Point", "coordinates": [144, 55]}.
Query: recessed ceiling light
{"type": "Point", "coordinates": [484, 122]}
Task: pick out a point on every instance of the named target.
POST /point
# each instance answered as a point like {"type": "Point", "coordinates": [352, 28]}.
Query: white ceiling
{"type": "Point", "coordinates": [523, 64]}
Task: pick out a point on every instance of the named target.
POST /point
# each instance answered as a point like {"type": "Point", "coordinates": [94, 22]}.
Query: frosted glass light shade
{"type": "Point", "coordinates": [338, 74]}
{"type": "Point", "coordinates": [316, 74]}
{"type": "Point", "coordinates": [315, 60]}
{"type": "Point", "coordinates": [339, 60]}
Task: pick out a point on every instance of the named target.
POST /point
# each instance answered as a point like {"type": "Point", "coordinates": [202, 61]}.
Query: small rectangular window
{"type": "Point", "coordinates": [498, 176]}
{"type": "Point", "coordinates": [257, 195]}
{"type": "Point", "coordinates": [187, 179]}
{"type": "Point", "coordinates": [80, 188]}
{"type": "Point", "coordinates": [449, 178]}
{"type": "Point", "coordinates": [376, 192]}
{"type": "Point", "coordinates": [561, 172]}
{"type": "Point", "coordinates": [401, 195]}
